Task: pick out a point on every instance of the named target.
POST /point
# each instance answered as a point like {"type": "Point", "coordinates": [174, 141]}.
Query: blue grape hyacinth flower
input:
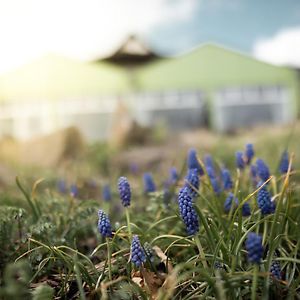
{"type": "Point", "coordinates": [104, 226]}
{"type": "Point", "coordinates": [246, 211]}
{"type": "Point", "coordinates": [62, 186]}
{"type": "Point", "coordinates": [149, 185]}
{"type": "Point", "coordinates": [106, 193]}
{"type": "Point", "coordinates": [187, 211]}
{"type": "Point", "coordinates": [173, 175]}
{"type": "Point", "coordinates": [254, 248]}
{"type": "Point", "coordinates": [239, 160]}
{"type": "Point", "coordinates": [208, 161]}
{"type": "Point", "coordinates": [138, 256]}
{"type": "Point", "coordinates": [284, 163]}
{"type": "Point", "coordinates": [193, 163]}
{"type": "Point", "coordinates": [253, 175]}
{"type": "Point", "coordinates": [124, 191]}
{"type": "Point", "coordinates": [74, 190]}
{"type": "Point", "coordinates": [192, 182]}
{"type": "Point", "coordinates": [249, 153]}
{"type": "Point", "coordinates": [262, 170]}
{"type": "Point", "coordinates": [264, 200]}
{"type": "Point", "coordinates": [275, 269]}
{"type": "Point", "coordinates": [226, 178]}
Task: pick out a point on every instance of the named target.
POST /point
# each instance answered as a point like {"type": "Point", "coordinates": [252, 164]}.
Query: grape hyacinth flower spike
{"type": "Point", "coordinates": [253, 175]}
{"type": "Point", "coordinates": [192, 182]}
{"type": "Point", "coordinates": [187, 211]}
{"type": "Point", "coordinates": [284, 163]}
{"type": "Point", "coordinates": [226, 178]}
{"type": "Point", "coordinates": [173, 175]}
{"type": "Point", "coordinates": [262, 170]}
{"type": "Point", "coordinates": [239, 159]}
{"type": "Point", "coordinates": [104, 226]}
{"type": "Point", "coordinates": [138, 256]}
{"type": "Point", "coordinates": [254, 248]}
{"type": "Point", "coordinates": [106, 193]}
{"type": "Point", "coordinates": [193, 163]}
{"type": "Point", "coordinates": [246, 211]}
{"type": "Point", "coordinates": [149, 185]}
{"type": "Point", "coordinates": [124, 191]}
{"type": "Point", "coordinates": [264, 200]}
{"type": "Point", "coordinates": [249, 153]}
{"type": "Point", "coordinates": [74, 190]}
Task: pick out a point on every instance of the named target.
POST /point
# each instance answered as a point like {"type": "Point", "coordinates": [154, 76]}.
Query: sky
{"type": "Point", "coordinates": [89, 29]}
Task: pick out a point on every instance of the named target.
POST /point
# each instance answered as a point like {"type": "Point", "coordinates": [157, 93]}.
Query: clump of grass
{"type": "Point", "coordinates": [216, 236]}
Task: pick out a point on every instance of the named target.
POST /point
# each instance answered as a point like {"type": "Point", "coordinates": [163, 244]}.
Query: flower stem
{"type": "Point", "coordinates": [201, 252]}
{"type": "Point", "coordinates": [128, 223]}
{"type": "Point", "coordinates": [109, 259]}
{"type": "Point", "coordinates": [254, 282]}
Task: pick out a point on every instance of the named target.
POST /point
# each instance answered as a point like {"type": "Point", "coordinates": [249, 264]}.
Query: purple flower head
{"type": "Point", "coordinates": [124, 191]}
{"type": "Point", "coordinates": [264, 200]}
{"type": "Point", "coordinates": [284, 163]}
{"type": "Point", "coordinates": [149, 185]}
{"type": "Point", "coordinates": [173, 175]}
{"type": "Point", "coordinates": [106, 193]}
{"type": "Point", "coordinates": [192, 182]}
{"type": "Point", "coordinates": [187, 211]}
{"type": "Point", "coordinates": [262, 170]}
{"type": "Point", "coordinates": [193, 163]}
{"type": "Point", "coordinates": [253, 175]}
{"type": "Point", "coordinates": [208, 161]}
{"type": "Point", "coordinates": [74, 190]}
{"type": "Point", "coordinates": [226, 178]}
{"type": "Point", "coordinates": [104, 226]}
{"type": "Point", "coordinates": [246, 211]}
{"type": "Point", "coordinates": [138, 256]}
{"type": "Point", "coordinates": [249, 153]}
{"type": "Point", "coordinates": [239, 160]}
{"type": "Point", "coordinates": [62, 186]}
{"type": "Point", "coordinates": [215, 185]}
{"type": "Point", "coordinates": [254, 248]}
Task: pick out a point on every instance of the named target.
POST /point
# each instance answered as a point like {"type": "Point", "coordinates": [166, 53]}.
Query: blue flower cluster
{"type": "Point", "coordinates": [106, 193]}
{"type": "Point", "coordinates": [149, 251]}
{"type": "Point", "coordinates": [192, 182]}
{"type": "Point", "coordinates": [193, 163]}
{"type": "Point", "coordinates": [284, 163]}
{"type": "Point", "coordinates": [264, 200]}
{"type": "Point", "coordinates": [173, 175]}
{"type": "Point", "coordinates": [124, 191]}
{"type": "Point", "coordinates": [104, 225]}
{"type": "Point", "coordinates": [262, 170]}
{"type": "Point", "coordinates": [246, 211]}
{"type": "Point", "coordinates": [187, 211]}
{"type": "Point", "coordinates": [276, 269]}
{"type": "Point", "coordinates": [149, 185]}
{"type": "Point", "coordinates": [226, 178]}
{"type": "Point", "coordinates": [239, 159]}
{"type": "Point", "coordinates": [249, 153]}
{"type": "Point", "coordinates": [254, 247]}
{"type": "Point", "coordinates": [138, 256]}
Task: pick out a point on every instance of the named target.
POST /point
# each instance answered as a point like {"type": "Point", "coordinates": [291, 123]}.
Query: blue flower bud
{"type": "Point", "coordinates": [193, 163]}
{"type": "Point", "coordinates": [106, 193]}
{"type": "Point", "coordinates": [249, 153]}
{"type": "Point", "coordinates": [262, 170]}
{"type": "Point", "coordinates": [124, 191]}
{"type": "Point", "coordinates": [192, 182]}
{"type": "Point", "coordinates": [264, 200]}
{"type": "Point", "coordinates": [104, 226]}
{"type": "Point", "coordinates": [149, 185]}
{"type": "Point", "coordinates": [254, 248]}
{"type": "Point", "coordinates": [239, 159]}
{"type": "Point", "coordinates": [138, 256]}
{"type": "Point", "coordinates": [226, 178]}
{"type": "Point", "coordinates": [187, 211]}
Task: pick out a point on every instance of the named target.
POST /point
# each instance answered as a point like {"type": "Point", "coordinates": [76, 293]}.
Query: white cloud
{"type": "Point", "coordinates": [282, 49]}
{"type": "Point", "coordinates": [78, 28]}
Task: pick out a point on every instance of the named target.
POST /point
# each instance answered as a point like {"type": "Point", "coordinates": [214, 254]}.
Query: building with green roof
{"type": "Point", "coordinates": [208, 86]}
